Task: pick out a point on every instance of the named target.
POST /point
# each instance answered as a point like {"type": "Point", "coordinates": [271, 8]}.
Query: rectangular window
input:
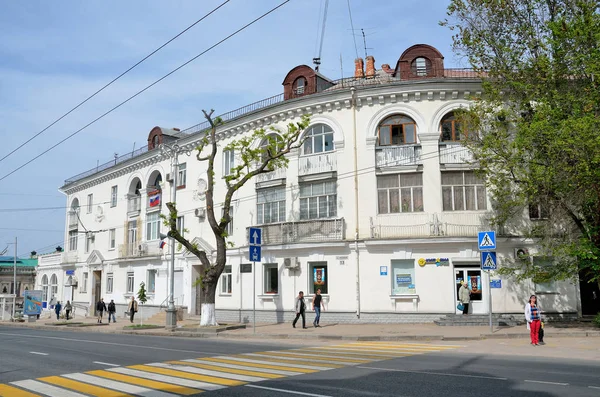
{"type": "Point", "coordinates": [73, 235]}
{"type": "Point", "coordinates": [152, 226]}
{"type": "Point", "coordinates": [403, 277]}
{"type": "Point", "coordinates": [545, 287]}
{"type": "Point", "coordinates": [84, 282]}
{"type": "Point", "coordinates": [130, 283]}
{"type": "Point", "coordinates": [270, 205]}
{"type": "Point", "coordinates": [229, 228]}
{"type": "Point", "coordinates": [319, 279]}
{"type": "Point", "coordinates": [226, 280]}
{"type": "Point", "coordinates": [181, 175]}
{"type": "Point", "coordinates": [90, 203]}
{"type": "Point", "coordinates": [228, 162]}
{"type": "Point", "coordinates": [89, 242]}
{"type": "Point", "coordinates": [151, 284]}
{"type": "Point", "coordinates": [113, 196]}
{"type": "Point", "coordinates": [112, 238]}
{"type": "Point", "coordinates": [109, 283]}
{"type": "Point", "coordinates": [538, 211]}
{"type": "Point", "coordinates": [400, 193]}
{"type": "Point", "coordinates": [271, 278]}
{"type": "Point", "coordinates": [463, 191]}
{"type": "Point", "coordinates": [181, 225]}
{"type": "Point", "coordinates": [318, 200]}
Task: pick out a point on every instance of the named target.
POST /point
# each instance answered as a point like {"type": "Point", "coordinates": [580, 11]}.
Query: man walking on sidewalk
{"type": "Point", "coordinates": [111, 311]}
{"type": "Point", "coordinates": [132, 308]}
{"type": "Point", "coordinates": [300, 310]}
{"type": "Point", "coordinates": [100, 309]}
{"type": "Point", "coordinates": [317, 302]}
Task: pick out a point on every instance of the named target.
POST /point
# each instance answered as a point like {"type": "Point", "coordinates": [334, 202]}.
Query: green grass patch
{"type": "Point", "coordinates": [145, 326]}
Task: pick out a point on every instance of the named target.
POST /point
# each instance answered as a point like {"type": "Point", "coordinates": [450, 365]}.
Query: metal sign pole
{"type": "Point", "coordinates": [254, 295]}
{"type": "Point", "coordinates": [490, 299]}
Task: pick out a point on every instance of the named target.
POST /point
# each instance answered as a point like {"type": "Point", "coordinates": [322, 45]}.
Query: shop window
{"type": "Point", "coordinates": [463, 191]}
{"type": "Point", "coordinates": [400, 193]}
{"type": "Point", "coordinates": [271, 281]}
{"type": "Point", "coordinates": [319, 278]}
{"type": "Point", "coordinates": [403, 277]}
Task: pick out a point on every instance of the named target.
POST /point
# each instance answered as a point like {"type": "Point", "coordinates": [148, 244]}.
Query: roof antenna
{"type": "Point", "coordinates": [317, 60]}
{"type": "Point", "coordinates": [364, 41]}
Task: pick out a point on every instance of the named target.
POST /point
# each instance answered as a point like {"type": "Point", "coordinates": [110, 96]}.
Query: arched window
{"type": "Point", "coordinates": [45, 288]}
{"type": "Point", "coordinates": [271, 141]}
{"type": "Point", "coordinates": [450, 128]}
{"type": "Point", "coordinates": [319, 139]}
{"type": "Point", "coordinates": [156, 181]}
{"type": "Point", "coordinates": [299, 86]}
{"type": "Point", "coordinates": [53, 286]}
{"type": "Point", "coordinates": [421, 66]}
{"type": "Point", "coordinates": [397, 130]}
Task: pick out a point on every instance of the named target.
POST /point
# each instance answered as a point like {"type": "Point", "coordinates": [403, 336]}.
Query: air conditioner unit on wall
{"type": "Point", "coordinates": [291, 263]}
{"type": "Point", "coordinates": [521, 253]}
{"type": "Point", "coordinates": [200, 213]}
{"type": "Point", "coordinates": [169, 177]}
{"type": "Point", "coordinates": [142, 249]}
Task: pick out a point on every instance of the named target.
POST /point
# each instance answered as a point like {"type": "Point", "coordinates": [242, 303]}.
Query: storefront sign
{"type": "Point", "coordinates": [383, 270]}
{"type": "Point", "coordinates": [403, 279]}
{"type": "Point", "coordinates": [246, 268]}
{"type": "Point", "coordinates": [495, 283]}
{"type": "Point", "coordinates": [434, 261]}
{"type": "Point", "coordinates": [70, 272]}
{"type": "Point", "coordinates": [32, 303]}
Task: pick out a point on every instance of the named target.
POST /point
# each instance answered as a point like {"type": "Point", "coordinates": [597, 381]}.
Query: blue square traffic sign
{"type": "Point", "coordinates": [255, 236]}
{"type": "Point", "coordinates": [254, 253]}
{"type": "Point", "coordinates": [488, 261]}
{"type": "Point", "coordinates": [486, 241]}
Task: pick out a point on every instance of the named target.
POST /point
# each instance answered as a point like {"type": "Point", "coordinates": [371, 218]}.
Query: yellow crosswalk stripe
{"type": "Point", "coordinates": [83, 387]}
{"type": "Point", "coordinates": [9, 391]}
{"type": "Point", "coordinates": [150, 384]}
{"type": "Point", "coordinates": [394, 348]}
{"type": "Point", "coordinates": [359, 350]}
{"type": "Point", "coordinates": [229, 370]}
{"type": "Point", "coordinates": [188, 375]}
{"type": "Point", "coordinates": [276, 360]}
{"type": "Point", "coordinates": [343, 353]}
{"type": "Point", "coordinates": [396, 344]}
{"type": "Point", "coordinates": [257, 365]}
{"type": "Point", "coordinates": [313, 356]}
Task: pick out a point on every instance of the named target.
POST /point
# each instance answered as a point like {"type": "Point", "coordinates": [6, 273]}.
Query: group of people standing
{"type": "Point", "coordinates": [317, 304]}
{"type": "Point", "coordinates": [101, 307]}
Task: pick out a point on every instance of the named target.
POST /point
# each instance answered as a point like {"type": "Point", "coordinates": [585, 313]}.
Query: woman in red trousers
{"type": "Point", "coordinates": [533, 315]}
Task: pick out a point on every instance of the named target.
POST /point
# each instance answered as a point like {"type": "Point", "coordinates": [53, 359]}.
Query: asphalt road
{"type": "Point", "coordinates": [385, 369]}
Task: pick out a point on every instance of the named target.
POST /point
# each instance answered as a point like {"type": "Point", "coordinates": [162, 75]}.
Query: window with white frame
{"type": "Point", "coordinates": [400, 193]}
{"type": "Point", "coordinates": [109, 283]}
{"type": "Point", "coordinates": [463, 191]}
{"type": "Point", "coordinates": [152, 226]}
{"type": "Point", "coordinates": [270, 205]}
{"type": "Point", "coordinates": [89, 242]}
{"type": "Point", "coordinates": [113, 196]}
{"type": "Point", "coordinates": [181, 175]}
{"type": "Point", "coordinates": [53, 286]}
{"type": "Point", "coordinates": [181, 225]}
{"type": "Point", "coordinates": [45, 288]}
{"type": "Point", "coordinates": [90, 203]}
{"type": "Point", "coordinates": [84, 282]}
{"type": "Point", "coordinates": [397, 130]}
{"type": "Point", "coordinates": [319, 278]}
{"type": "Point", "coordinates": [112, 238]}
{"type": "Point", "coordinates": [228, 162]}
{"type": "Point", "coordinates": [545, 286]}
{"type": "Point", "coordinates": [318, 139]}
{"type": "Point", "coordinates": [151, 284]}
{"type": "Point", "coordinates": [271, 144]}
{"type": "Point", "coordinates": [73, 235]}
{"type": "Point", "coordinates": [538, 211]}
{"type": "Point", "coordinates": [229, 228]}
{"type": "Point", "coordinates": [130, 283]}
{"type": "Point", "coordinates": [271, 278]}
{"type": "Point", "coordinates": [318, 200]}
{"type": "Point", "coordinates": [226, 280]}
{"type": "Point", "coordinates": [403, 277]}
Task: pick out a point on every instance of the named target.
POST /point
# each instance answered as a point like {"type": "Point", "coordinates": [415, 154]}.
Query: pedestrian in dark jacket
{"type": "Point", "coordinates": [111, 311]}
{"type": "Point", "coordinates": [300, 310]}
{"type": "Point", "coordinates": [57, 309]}
{"type": "Point", "coordinates": [132, 308]}
{"type": "Point", "coordinates": [68, 309]}
{"type": "Point", "coordinates": [100, 309]}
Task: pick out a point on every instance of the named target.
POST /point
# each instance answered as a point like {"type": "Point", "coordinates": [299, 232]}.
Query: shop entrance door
{"type": "Point", "coordinates": [474, 279]}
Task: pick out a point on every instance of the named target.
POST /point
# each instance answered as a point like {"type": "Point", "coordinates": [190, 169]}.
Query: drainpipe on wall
{"type": "Point", "coordinates": [356, 222]}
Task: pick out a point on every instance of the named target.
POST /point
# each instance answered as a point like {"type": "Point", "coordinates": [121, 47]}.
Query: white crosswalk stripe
{"type": "Point", "coordinates": [168, 379]}
{"type": "Point", "coordinates": [194, 370]}
{"type": "Point", "coordinates": [111, 384]}
{"type": "Point", "coordinates": [45, 389]}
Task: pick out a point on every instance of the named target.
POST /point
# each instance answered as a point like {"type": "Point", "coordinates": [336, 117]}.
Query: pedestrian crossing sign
{"type": "Point", "coordinates": [488, 261]}
{"type": "Point", "coordinates": [487, 241]}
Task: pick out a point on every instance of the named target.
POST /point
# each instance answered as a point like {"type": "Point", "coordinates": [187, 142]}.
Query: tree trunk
{"type": "Point", "coordinates": [208, 316]}
{"type": "Point", "coordinates": [142, 316]}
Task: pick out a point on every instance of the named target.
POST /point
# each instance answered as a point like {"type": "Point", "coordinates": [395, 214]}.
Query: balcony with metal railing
{"type": "Point", "coordinates": [134, 250]}
{"type": "Point", "coordinates": [312, 231]}
{"type": "Point", "coordinates": [455, 153]}
{"type": "Point", "coordinates": [420, 225]}
{"type": "Point", "coordinates": [279, 173]}
{"type": "Point", "coordinates": [392, 156]}
{"type": "Point", "coordinates": [134, 205]}
{"type": "Point", "coordinates": [317, 163]}
{"type": "Point", "coordinates": [73, 220]}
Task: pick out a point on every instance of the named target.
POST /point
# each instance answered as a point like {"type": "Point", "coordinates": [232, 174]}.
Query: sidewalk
{"type": "Point", "coordinates": [332, 332]}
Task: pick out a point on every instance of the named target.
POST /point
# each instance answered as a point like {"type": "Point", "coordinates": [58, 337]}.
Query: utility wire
{"type": "Point", "coordinates": [351, 26]}
{"type": "Point", "coordinates": [145, 89]}
{"type": "Point", "coordinates": [113, 80]}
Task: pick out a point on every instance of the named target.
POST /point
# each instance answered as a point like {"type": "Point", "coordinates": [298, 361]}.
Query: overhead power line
{"type": "Point", "coordinates": [145, 89]}
{"type": "Point", "coordinates": [113, 80]}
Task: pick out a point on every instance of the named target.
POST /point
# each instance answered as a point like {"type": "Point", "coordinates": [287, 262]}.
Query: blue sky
{"type": "Point", "coordinates": [55, 54]}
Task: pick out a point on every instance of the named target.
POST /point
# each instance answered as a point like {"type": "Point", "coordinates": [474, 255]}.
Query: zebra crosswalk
{"type": "Point", "coordinates": [190, 377]}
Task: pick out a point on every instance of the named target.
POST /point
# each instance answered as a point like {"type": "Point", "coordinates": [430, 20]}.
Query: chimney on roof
{"type": "Point", "coordinates": [176, 129]}
{"type": "Point", "coordinates": [359, 68]}
{"type": "Point", "coordinates": [370, 66]}
{"type": "Point", "coordinates": [386, 68]}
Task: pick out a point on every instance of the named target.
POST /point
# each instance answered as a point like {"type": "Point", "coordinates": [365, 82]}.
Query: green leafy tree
{"type": "Point", "coordinates": [262, 151]}
{"type": "Point", "coordinates": [538, 124]}
{"type": "Point", "coordinates": [142, 298]}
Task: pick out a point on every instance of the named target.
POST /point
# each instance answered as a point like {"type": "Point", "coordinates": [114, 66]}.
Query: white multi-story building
{"type": "Point", "coordinates": [380, 208]}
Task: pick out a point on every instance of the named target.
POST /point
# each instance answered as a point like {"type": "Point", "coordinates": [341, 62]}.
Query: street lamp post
{"type": "Point", "coordinates": [173, 152]}
{"type": "Point", "coordinates": [14, 279]}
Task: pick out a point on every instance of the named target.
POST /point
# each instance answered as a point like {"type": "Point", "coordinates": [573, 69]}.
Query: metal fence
{"type": "Point", "coordinates": [324, 230]}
